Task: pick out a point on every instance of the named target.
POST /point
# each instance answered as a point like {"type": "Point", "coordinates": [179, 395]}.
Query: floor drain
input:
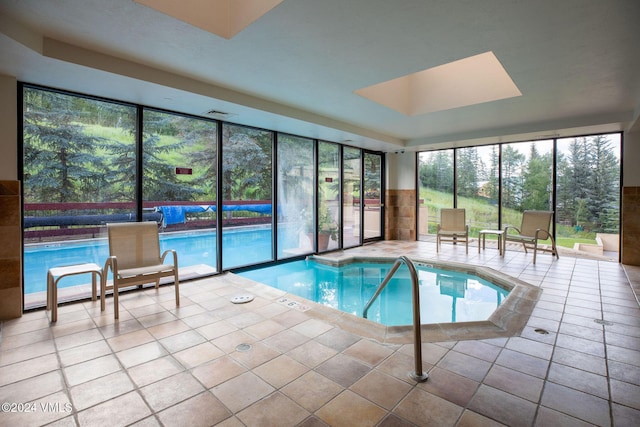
{"type": "Point", "coordinates": [603, 322]}
{"type": "Point", "coordinates": [241, 299]}
{"type": "Point", "coordinates": [541, 331]}
{"type": "Point", "coordinates": [243, 347]}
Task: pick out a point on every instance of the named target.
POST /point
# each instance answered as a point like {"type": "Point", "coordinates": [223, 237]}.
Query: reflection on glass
{"type": "Point", "coordinates": [477, 186]}
{"type": "Point", "coordinates": [435, 178]}
{"type": "Point", "coordinates": [351, 197]}
{"type": "Point", "coordinates": [295, 196]}
{"type": "Point", "coordinates": [372, 195]}
{"type": "Point", "coordinates": [246, 199]}
{"type": "Point", "coordinates": [328, 196]}
{"type": "Point", "coordinates": [179, 165]}
{"type": "Point", "coordinates": [79, 173]}
{"type": "Point", "coordinates": [588, 192]}
{"type": "Point", "coordinates": [527, 179]}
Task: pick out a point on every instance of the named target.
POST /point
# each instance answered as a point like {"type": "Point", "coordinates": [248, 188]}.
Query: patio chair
{"type": "Point", "coordinates": [134, 259]}
{"type": "Point", "coordinates": [535, 227]}
{"type": "Point", "coordinates": [452, 227]}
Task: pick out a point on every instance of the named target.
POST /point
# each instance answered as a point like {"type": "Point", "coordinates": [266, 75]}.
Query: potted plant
{"type": "Point", "coordinates": [327, 227]}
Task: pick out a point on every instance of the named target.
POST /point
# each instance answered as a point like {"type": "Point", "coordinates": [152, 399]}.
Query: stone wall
{"type": "Point", "coordinates": [631, 225]}
{"type": "Point", "coordinates": [400, 218]}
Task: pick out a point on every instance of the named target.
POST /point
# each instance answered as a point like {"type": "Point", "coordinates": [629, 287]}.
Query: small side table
{"type": "Point", "coordinates": [55, 274]}
{"type": "Point", "coordinates": [482, 234]}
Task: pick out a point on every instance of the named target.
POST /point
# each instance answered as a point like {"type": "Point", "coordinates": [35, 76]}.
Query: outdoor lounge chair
{"type": "Point", "coordinates": [535, 227]}
{"type": "Point", "coordinates": [134, 259]}
{"type": "Point", "coordinates": [452, 228]}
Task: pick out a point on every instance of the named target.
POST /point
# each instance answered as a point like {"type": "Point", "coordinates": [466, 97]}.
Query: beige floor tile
{"type": "Point", "coordinates": [181, 341]}
{"type": "Point", "coordinates": [171, 390]}
{"type": "Point", "coordinates": [83, 353]}
{"type": "Point", "coordinates": [29, 368]}
{"type": "Point", "coordinates": [350, 410]}
{"type": "Point", "coordinates": [312, 390]}
{"type": "Point", "coordinates": [91, 369]}
{"type": "Point", "coordinates": [274, 410]}
{"type": "Point", "coordinates": [79, 338]}
{"type": "Point", "coordinates": [515, 382]}
{"type": "Point", "coordinates": [131, 339]}
{"type": "Point", "coordinates": [312, 353]}
{"type": "Point", "coordinates": [42, 411]}
{"type": "Point", "coordinates": [464, 365]}
{"type": "Point", "coordinates": [154, 370]}
{"type": "Point", "coordinates": [26, 352]}
{"type": "Point", "coordinates": [450, 386]}
{"type": "Point", "coordinates": [576, 403]}
{"type": "Point", "coordinates": [369, 352]}
{"type": "Point", "coordinates": [33, 388]}
{"type": "Point", "coordinates": [198, 354]}
{"type": "Point", "coordinates": [256, 355]}
{"type": "Point", "coordinates": [100, 390]}
{"type": "Point", "coordinates": [167, 329]}
{"type": "Point", "coordinates": [381, 389]}
{"type": "Point", "coordinates": [218, 371]}
{"type": "Point", "coordinates": [264, 329]}
{"type": "Point", "coordinates": [122, 410]}
{"type": "Point", "coordinates": [426, 409]}
{"type": "Point", "coordinates": [473, 419]}
{"type": "Point", "coordinates": [140, 354]}
{"type": "Point", "coordinates": [504, 407]}
{"type": "Point", "coordinates": [343, 369]}
{"type": "Point", "coordinates": [280, 371]}
{"type": "Point", "coordinates": [203, 410]}
{"type": "Point", "coordinates": [217, 329]}
{"type": "Point", "coordinates": [241, 391]}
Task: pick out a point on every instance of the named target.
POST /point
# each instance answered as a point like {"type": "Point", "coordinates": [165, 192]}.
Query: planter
{"type": "Point", "coordinates": [323, 240]}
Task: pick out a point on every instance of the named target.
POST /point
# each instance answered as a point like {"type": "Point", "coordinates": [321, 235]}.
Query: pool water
{"type": "Point", "coordinates": [243, 247]}
{"type": "Point", "coordinates": [445, 296]}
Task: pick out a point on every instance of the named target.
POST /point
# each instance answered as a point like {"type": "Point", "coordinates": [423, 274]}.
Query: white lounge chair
{"type": "Point", "coordinates": [452, 227]}
{"type": "Point", "coordinates": [535, 227]}
{"type": "Point", "coordinates": [134, 259]}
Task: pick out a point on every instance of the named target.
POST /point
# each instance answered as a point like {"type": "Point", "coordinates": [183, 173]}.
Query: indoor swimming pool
{"type": "Point", "coordinates": [445, 295]}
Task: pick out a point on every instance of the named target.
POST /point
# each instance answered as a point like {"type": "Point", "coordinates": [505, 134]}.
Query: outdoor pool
{"type": "Point", "coordinates": [241, 247]}
{"type": "Point", "coordinates": [445, 295]}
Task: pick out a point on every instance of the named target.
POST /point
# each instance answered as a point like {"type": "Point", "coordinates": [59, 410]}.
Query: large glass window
{"type": "Point", "coordinates": [88, 162]}
{"type": "Point", "coordinates": [527, 179]}
{"type": "Point", "coordinates": [373, 197]}
{"type": "Point", "coordinates": [435, 188]}
{"type": "Point", "coordinates": [477, 186]}
{"type": "Point", "coordinates": [328, 206]}
{"type": "Point", "coordinates": [588, 195]}
{"type": "Point", "coordinates": [78, 173]}
{"type": "Point", "coordinates": [296, 183]}
{"type": "Point", "coordinates": [179, 164]}
{"type": "Point", "coordinates": [352, 160]}
{"type": "Point", "coordinates": [246, 200]}
{"type": "Point", "coordinates": [578, 178]}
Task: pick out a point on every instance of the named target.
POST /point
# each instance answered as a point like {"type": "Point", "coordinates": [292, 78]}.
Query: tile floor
{"type": "Point", "coordinates": [211, 362]}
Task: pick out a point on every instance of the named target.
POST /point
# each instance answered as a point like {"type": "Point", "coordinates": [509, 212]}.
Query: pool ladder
{"type": "Point", "coordinates": [416, 375]}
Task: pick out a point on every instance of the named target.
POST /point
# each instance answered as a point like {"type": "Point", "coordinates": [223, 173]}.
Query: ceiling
{"type": "Point", "coordinates": [296, 69]}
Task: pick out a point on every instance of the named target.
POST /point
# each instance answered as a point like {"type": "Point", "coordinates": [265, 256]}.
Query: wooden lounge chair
{"type": "Point", "coordinates": [535, 227]}
{"type": "Point", "coordinates": [134, 259]}
{"type": "Point", "coordinates": [452, 227]}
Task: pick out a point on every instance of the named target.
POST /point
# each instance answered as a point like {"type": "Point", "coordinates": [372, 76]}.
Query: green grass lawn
{"type": "Point", "coordinates": [481, 214]}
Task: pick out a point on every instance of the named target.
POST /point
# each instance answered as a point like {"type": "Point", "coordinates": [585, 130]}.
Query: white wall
{"type": "Point", "coordinates": [631, 157]}
{"type": "Point", "coordinates": [401, 171]}
{"type": "Point", "coordinates": [8, 128]}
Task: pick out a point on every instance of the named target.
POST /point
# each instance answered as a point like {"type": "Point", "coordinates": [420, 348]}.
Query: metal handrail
{"type": "Point", "coordinates": [416, 375]}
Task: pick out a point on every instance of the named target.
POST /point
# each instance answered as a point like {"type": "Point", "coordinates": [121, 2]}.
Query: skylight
{"type": "Point", "coordinates": [225, 18]}
{"type": "Point", "coordinates": [469, 81]}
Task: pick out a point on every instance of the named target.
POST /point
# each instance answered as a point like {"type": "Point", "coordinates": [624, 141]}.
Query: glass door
{"type": "Point", "coordinates": [372, 200]}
